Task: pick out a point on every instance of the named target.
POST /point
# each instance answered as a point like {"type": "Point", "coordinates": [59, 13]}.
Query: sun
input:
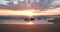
{"type": "Point", "coordinates": [30, 14]}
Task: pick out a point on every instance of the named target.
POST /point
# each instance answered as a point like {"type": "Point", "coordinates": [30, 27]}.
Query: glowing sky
{"type": "Point", "coordinates": [12, 7]}
{"type": "Point", "coordinates": [31, 12]}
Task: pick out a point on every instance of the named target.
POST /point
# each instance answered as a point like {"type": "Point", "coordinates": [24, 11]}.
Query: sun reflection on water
{"type": "Point", "coordinates": [30, 23]}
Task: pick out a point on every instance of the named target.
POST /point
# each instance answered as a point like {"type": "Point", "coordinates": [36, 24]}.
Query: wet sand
{"type": "Point", "coordinates": [29, 28]}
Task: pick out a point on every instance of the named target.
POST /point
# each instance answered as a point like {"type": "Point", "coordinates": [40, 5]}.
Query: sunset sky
{"type": "Point", "coordinates": [16, 7]}
{"type": "Point", "coordinates": [29, 12]}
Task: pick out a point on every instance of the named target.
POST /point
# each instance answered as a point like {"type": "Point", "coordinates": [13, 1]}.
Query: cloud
{"type": "Point", "coordinates": [19, 4]}
{"type": "Point", "coordinates": [55, 3]}
{"type": "Point", "coordinates": [4, 2]}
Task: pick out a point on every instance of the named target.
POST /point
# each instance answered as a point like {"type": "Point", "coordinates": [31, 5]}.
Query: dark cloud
{"type": "Point", "coordinates": [42, 4]}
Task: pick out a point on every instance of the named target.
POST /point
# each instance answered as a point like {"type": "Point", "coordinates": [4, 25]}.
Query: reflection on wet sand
{"type": "Point", "coordinates": [29, 28]}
